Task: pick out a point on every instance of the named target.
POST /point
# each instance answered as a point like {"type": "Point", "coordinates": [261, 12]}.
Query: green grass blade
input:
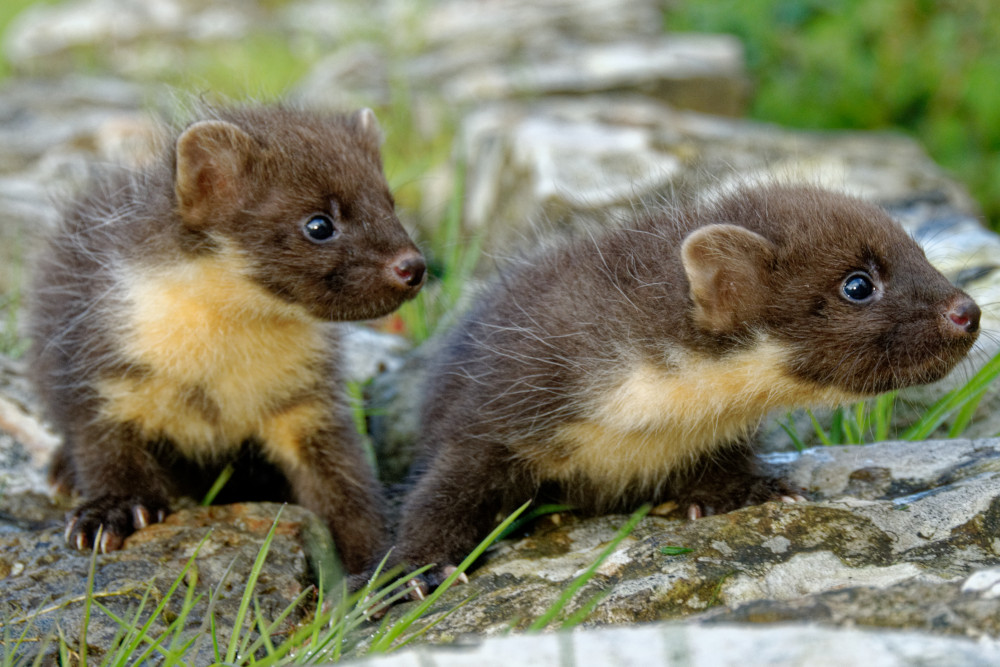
{"type": "Point", "coordinates": [536, 512]}
{"type": "Point", "coordinates": [965, 414]}
{"type": "Point", "coordinates": [189, 602]}
{"type": "Point", "coordinates": [88, 599]}
{"type": "Point", "coordinates": [885, 406]}
{"type": "Point", "coordinates": [581, 614]}
{"type": "Point", "coordinates": [837, 427]}
{"type": "Point", "coordinates": [217, 485]}
{"type": "Point", "coordinates": [862, 420]}
{"type": "Point", "coordinates": [953, 400]}
{"type": "Point", "coordinates": [851, 437]}
{"type": "Point", "coordinates": [581, 580]}
{"type": "Point", "coordinates": [234, 638]}
{"type": "Point", "coordinates": [820, 433]}
{"type": "Point", "coordinates": [384, 642]}
{"type": "Point", "coordinates": [786, 425]}
{"type": "Point", "coordinates": [675, 551]}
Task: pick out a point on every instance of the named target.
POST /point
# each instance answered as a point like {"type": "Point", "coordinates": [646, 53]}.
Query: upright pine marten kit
{"type": "Point", "coordinates": [634, 366]}
{"type": "Point", "coordinates": [183, 316]}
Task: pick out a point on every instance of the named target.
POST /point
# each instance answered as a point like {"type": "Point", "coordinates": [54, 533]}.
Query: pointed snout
{"type": "Point", "coordinates": [407, 270]}
{"type": "Point", "coordinates": [962, 316]}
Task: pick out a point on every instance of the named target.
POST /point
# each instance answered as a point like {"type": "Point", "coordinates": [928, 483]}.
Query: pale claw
{"type": "Point", "coordinates": [460, 579]}
{"type": "Point", "coordinates": [416, 589]}
{"type": "Point", "coordinates": [694, 512]}
{"type": "Point", "coordinates": [140, 516]}
{"type": "Point", "coordinates": [69, 530]}
{"type": "Point", "coordinates": [110, 542]}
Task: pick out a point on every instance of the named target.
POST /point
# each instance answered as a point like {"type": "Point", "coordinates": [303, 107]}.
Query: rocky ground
{"type": "Point", "coordinates": [560, 110]}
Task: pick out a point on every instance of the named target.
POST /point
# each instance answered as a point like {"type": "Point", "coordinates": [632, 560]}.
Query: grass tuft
{"type": "Point", "coordinates": [872, 421]}
{"type": "Point", "coordinates": [583, 578]}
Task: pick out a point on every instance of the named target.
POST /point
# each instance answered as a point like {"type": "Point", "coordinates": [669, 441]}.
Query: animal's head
{"type": "Point", "coordinates": [833, 279]}
{"type": "Point", "coordinates": [304, 198]}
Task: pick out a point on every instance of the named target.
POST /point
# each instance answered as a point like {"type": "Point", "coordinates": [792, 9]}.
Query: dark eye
{"type": "Point", "coordinates": [319, 229]}
{"type": "Point", "coordinates": [858, 287]}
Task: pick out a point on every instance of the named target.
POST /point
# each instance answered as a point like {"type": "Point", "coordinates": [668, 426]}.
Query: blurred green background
{"type": "Point", "coordinates": [929, 69]}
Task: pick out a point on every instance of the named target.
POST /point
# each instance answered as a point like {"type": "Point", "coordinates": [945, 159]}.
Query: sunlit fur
{"type": "Point", "coordinates": [221, 356]}
{"type": "Point", "coordinates": [661, 420]}
{"type": "Point", "coordinates": [634, 364]}
{"type": "Point", "coordinates": [181, 321]}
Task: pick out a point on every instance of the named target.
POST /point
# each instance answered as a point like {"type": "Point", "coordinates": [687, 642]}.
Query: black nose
{"type": "Point", "coordinates": [409, 268]}
{"type": "Point", "coordinates": [964, 314]}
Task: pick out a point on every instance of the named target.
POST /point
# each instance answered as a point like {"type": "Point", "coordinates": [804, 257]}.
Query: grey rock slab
{"type": "Point", "coordinates": [553, 161]}
{"type": "Point", "coordinates": [94, 115]}
{"type": "Point", "coordinates": [706, 646]}
{"type": "Point", "coordinates": [368, 353]}
{"type": "Point", "coordinates": [43, 31]}
{"type": "Point", "coordinates": [905, 467]}
{"type": "Point", "coordinates": [517, 26]}
{"type": "Point", "coordinates": [51, 131]}
{"type": "Point", "coordinates": [356, 75]}
{"type": "Point", "coordinates": [699, 72]}
{"type": "Point", "coordinates": [26, 441]}
{"type": "Point", "coordinates": [925, 525]}
{"type": "Point", "coordinates": [953, 608]}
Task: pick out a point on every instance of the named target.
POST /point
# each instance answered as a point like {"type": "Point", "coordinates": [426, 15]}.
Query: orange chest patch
{"type": "Point", "coordinates": [219, 355]}
{"type": "Point", "coordinates": [660, 419]}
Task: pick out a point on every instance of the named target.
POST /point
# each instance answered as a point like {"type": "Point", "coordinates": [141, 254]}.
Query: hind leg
{"type": "Point", "coordinates": [453, 506]}
{"type": "Point", "coordinates": [61, 475]}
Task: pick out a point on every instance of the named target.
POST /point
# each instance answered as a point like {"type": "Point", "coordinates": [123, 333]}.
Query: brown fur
{"type": "Point", "coordinates": [636, 366]}
{"type": "Point", "coordinates": [181, 320]}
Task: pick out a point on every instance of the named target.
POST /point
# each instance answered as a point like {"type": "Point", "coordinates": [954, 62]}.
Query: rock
{"type": "Point", "coordinates": [699, 646]}
{"type": "Point", "coordinates": [698, 72]}
{"type": "Point", "coordinates": [349, 78]}
{"type": "Point", "coordinates": [26, 442]}
{"type": "Point", "coordinates": [41, 38]}
{"type": "Point", "coordinates": [555, 160]}
{"type": "Point", "coordinates": [369, 353]}
{"type": "Point", "coordinates": [393, 408]}
{"type": "Point", "coordinates": [921, 534]}
{"type": "Point", "coordinates": [52, 131]}
{"type": "Point", "coordinates": [518, 26]}
{"type": "Point", "coordinates": [43, 584]}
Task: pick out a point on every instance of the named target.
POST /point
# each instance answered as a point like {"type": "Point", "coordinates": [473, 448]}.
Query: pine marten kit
{"type": "Point", "coordinates": [635, 366]}
{"type": "Point", "coordinates": [183, 317]}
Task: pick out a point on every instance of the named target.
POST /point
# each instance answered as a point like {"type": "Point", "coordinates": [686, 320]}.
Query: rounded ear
{"type": "Point", "coordinates": [212, 156]}
{"type": "Point", "coordinates": [727, 267]}
{"type": "Point", "coordinates": [366, 126]}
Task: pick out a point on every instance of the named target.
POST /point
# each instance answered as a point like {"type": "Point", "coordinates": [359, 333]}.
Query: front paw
{"type": "Point", "coordinates": [709, 500]}
{"type": "Point", "coordinates": [425, 583]}
{"type": "Point", "coordinates": [116, 517]}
